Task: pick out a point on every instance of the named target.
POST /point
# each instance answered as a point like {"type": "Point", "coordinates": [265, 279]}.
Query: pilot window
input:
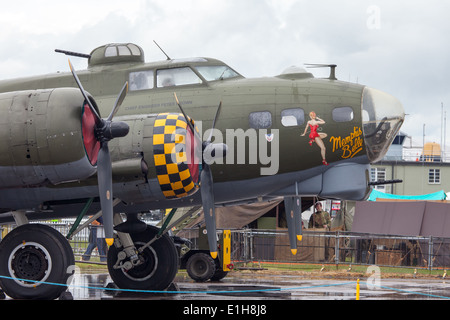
{"type": "Point", "coordinates": [176, 77]}
{"type": "Point", "coordinates": [212, 73]}
{"type": "Point", "coordinates": [260, 120]}
{"type": "Point", "coordinates": [342, 114]}
{"type": "Point", "coordinates": [292, 117]}
{"type": "Point", "coordinates": [141, 80]}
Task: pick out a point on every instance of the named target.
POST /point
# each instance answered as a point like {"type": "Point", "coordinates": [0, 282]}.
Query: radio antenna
{"type": "Point", "coordinates": [168, 58]}
{"type": "Point", "coordinates": [331, 66]}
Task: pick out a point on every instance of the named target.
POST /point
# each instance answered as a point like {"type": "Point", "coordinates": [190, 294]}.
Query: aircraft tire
{"type": "Point", "coordinates": [219, 275]}
{"type": "Point", "coordinates": [201, 267]}
{"type": "Point", "coordinates": [158, 270]}
{"type": "Point", "coordinates": [35, 252]}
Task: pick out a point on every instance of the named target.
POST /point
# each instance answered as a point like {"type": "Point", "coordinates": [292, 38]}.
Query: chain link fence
{"type": "Point", "coordinates": [272, 246]}
{"type": "Point", "coordinates": [341, 248]}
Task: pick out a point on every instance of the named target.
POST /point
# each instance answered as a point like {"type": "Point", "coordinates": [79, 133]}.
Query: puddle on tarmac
{"type": "Point", "coordinates": [268, 287]}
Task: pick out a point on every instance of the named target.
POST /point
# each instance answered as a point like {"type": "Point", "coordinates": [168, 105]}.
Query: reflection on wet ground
{"type": "Point", "coordinates": [237, 286]}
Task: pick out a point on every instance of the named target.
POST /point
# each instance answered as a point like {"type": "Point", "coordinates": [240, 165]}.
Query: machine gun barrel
{"type": "Point", "coordinates": [74, 54]}
{"type": "Point", "coordinates": [381, 182]}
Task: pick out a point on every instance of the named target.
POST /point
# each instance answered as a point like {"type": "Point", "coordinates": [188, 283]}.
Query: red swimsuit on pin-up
{"type": "Point", "coordinates": [313, 135]}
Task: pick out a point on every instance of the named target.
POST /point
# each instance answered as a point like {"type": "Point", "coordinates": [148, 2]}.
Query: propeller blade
{"type": "Point", "coordinates": [217, 150]}
{"type": "Point", "coordinates": [206, 188]}
{"type": "Point", "coordinates": [106, 130]}
{"type": "Point", "coordinates": [213, 152]}
{"type": "Point", "coordinates": [293, 218]}
{"type": "Point", "coordinates": [104, 176]}
{"type": "Point", "coordinates": [83, 92]}
{"type": "Point", "coordinates": [298, 217]}
{"type": "Point", "coordinates": [214, 123]}
{"type": "Point", "coordinates": [187, 119]}
{"type": "Point", "coordinates": [207, 194]}
{"type": "Point", "coordinates": [119, 100]}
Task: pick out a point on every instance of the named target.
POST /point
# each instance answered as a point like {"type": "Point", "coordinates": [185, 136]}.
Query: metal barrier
{"type": "Point", "coordinates": [272, 246]}
{"type": "Point", "coordinates": [341, 248]}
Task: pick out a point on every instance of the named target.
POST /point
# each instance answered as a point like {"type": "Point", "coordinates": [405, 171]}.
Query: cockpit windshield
{"type": "Point", "coordinates": [213, 73]}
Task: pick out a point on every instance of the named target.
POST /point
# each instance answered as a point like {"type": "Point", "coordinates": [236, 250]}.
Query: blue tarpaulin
{"type": "Point", "coordinates": [440, 195]}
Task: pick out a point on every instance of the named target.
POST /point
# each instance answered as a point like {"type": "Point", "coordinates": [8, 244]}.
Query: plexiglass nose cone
{"type": "Point", "coordinates": [383, 115]}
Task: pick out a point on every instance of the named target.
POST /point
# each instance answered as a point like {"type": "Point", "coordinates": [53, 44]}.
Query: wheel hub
{"type": "Point", "coordinates": [147, 267]}
{"type": "Point", "coordinates": [199, 267]}
{"type": "Point", "coordinates": [29, 261]}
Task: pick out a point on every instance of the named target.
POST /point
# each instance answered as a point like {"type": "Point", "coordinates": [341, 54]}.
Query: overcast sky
{"type": "Point", "coordinates": [401, 47]}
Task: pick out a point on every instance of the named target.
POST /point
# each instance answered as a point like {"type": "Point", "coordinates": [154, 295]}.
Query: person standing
{"type": "Point", "coordinates": [96, 239]}
{"type": "Point", "coordinates": [320, 218]}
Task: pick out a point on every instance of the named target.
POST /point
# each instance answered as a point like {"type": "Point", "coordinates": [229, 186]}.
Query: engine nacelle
{"type": "Point", "coordinates": [160, 148]}
{"type": "Point", "coordinates": [42, 140]}
{"type": "Point", "coordinates": [176, 155]}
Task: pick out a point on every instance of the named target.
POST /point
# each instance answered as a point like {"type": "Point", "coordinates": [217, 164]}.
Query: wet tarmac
{"type": "Point", "coordinates": [251, 286]}
{"type": "Point", "coordinates": [239, 286]}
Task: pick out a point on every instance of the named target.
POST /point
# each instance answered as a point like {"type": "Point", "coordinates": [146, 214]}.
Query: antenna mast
{"type": "Point", "coordinates": [331, 66]}
{"type": "Point", "coordinates": [168, 58]}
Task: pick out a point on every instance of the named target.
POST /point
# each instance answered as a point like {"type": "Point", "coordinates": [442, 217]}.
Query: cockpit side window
{"type": "Point", "coordinates": [176, 77]}
{"type": "Point", "coordinates": [141, 80]}
{"type": "Point", "coordinates": [213, 73]}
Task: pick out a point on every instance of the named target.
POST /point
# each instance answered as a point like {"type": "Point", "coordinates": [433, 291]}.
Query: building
{"type": "Point", "coordinates": [423, 170]}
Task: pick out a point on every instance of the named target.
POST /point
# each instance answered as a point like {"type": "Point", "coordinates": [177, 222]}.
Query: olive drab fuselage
{"type": "Point", "coordinates": [261, 121]}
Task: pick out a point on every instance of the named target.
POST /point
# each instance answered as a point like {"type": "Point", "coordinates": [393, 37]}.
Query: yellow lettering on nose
{"type": "Point", "coordinates": [349, 145]}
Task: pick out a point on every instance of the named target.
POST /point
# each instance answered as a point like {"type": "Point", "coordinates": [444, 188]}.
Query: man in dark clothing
{"type": "Point", "coordinates": [319, 219]}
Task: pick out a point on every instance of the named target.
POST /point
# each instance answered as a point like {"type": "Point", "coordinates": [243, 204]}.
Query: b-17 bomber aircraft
{"type": "Point", "coordinates": [126, 136]}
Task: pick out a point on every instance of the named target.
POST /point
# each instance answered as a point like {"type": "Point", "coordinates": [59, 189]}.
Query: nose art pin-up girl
{"type": "Point", "coordinates": [315, 136]}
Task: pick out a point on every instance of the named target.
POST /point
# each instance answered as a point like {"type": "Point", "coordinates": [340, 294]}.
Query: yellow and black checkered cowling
{"type": "Point", "coordinates": [172, 149]}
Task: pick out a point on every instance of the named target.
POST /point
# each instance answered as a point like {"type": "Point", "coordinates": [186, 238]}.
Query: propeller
{"type": "Point", "coordinates": [294, 220]}
{"type": "Point", "coordinates": [105, 130]}
{"type": "Point", "coordinates": [210, 151]}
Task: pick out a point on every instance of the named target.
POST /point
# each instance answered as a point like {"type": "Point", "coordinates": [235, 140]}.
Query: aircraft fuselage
{"type": "Point", "coordinates": [261, 121]}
